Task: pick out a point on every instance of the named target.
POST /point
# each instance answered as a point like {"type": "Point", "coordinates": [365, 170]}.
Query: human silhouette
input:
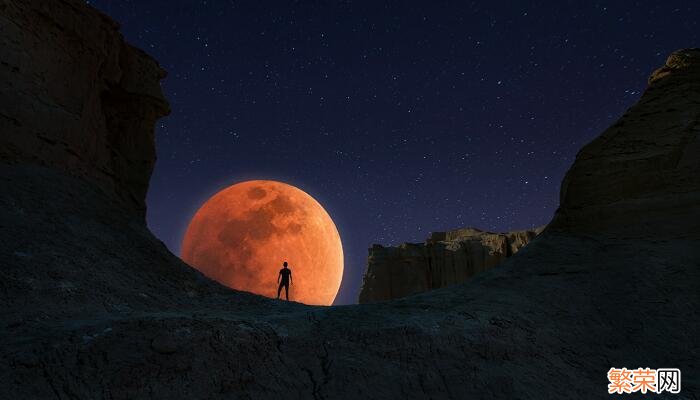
{"type": "Point", "coordinates": [284, 279]}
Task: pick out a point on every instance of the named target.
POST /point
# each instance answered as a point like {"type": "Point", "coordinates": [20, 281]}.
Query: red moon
{"type": "Point", "coordinates": [241, 236]}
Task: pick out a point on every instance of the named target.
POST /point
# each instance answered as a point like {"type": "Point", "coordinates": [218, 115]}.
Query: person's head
{"type": "Point", "coordinates": [284, 264]}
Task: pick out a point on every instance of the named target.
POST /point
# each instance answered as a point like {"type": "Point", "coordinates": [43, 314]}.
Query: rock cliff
{"type": "Point", "coordinates": [92, 306]}
{"type": "Point", "coordinates": [75, 96]}
{"type": "Point", "coordinates": [640, 177]}
{"type": "Point", "coordinates": [444, 259]}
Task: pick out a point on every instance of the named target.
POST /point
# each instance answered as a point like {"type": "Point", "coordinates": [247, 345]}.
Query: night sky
{"type": "Point", "coordinates": [400, 118]}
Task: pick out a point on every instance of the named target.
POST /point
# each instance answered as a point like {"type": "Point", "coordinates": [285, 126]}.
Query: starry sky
{"type": "Point", "coordinates": [400, 118]}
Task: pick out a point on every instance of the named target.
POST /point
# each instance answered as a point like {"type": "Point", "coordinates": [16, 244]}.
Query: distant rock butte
{"type": "Point", "coordinates": [77, 97]}
{"type": "Point", "coordinates": [444, 259]}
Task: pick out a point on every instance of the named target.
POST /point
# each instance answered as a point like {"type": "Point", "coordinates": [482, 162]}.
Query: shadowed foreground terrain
{"type": "Point", "coordinates": [93, 306]}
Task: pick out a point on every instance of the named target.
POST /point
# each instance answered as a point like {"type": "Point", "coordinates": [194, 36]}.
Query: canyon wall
{"type": "Point", "coordinates": [639, 178]}
{"type": "Point", "coordinates": [444, 259]}
{"type": "Point", "coordinates": [75, 96]}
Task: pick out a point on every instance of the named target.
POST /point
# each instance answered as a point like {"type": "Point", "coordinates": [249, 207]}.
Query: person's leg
{"type": "Point", "coordinates": [286, 291]}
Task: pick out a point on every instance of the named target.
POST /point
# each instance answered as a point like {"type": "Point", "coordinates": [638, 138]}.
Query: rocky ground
{"type": "Point", "coordinates": [95, 307]}
{"type": "Point", "coordinates": [92, 306]}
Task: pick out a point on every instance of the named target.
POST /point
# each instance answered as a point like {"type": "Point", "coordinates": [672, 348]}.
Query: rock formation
{"type": "Point", "coordinates": [92, 306]}
{"type": "Point", "coordinates": [78, 98]}
{"type": "Point", "coordinates": [643, 169]}
{"type": "Point", "coordinates": [444, 259]}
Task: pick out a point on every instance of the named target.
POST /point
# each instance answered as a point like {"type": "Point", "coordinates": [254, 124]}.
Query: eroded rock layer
{"type": "Point", "coordinates": [444, 259]}
{"type": "Point", "coordinates": [640, 177]}
{"type": "Point", "coordinates": [75, 96]}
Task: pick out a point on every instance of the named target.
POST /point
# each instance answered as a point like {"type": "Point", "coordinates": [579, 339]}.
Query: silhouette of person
{"type": "Point", "coordinates": [284, 279]}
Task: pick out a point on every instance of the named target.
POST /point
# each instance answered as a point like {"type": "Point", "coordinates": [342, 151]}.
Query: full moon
{"type": "Point", "coordinates": [241, 236]}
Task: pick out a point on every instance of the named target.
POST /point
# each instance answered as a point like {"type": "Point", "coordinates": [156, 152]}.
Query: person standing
{"type": "Point", "coordinates": [284, 279]}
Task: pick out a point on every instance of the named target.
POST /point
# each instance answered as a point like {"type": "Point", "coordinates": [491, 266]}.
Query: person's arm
{"type": "Point", "coordinates": [278, 277]}
{"type": "Point", "coordinates": [290, 276]}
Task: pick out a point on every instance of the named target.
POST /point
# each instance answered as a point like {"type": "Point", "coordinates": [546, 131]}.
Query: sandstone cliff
{"type": "Point", "coordinates": [640, 177]}
{"type": "Point", "coordinates": [75, 96]}
{"type": "Point", "coordinates": [444, 259]}
{"type": "Point", "coordinates": [92, 306]}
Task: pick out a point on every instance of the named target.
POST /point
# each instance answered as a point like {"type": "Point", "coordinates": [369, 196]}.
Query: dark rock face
{"type": "Point", "coordinates": [92, 306]}
{"type": "Point", "coordinates": [640, 177]}
{"type": "Point", "coordinates": [75, 96]}
{"type": "Point", "coordinates": [444, 259]}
